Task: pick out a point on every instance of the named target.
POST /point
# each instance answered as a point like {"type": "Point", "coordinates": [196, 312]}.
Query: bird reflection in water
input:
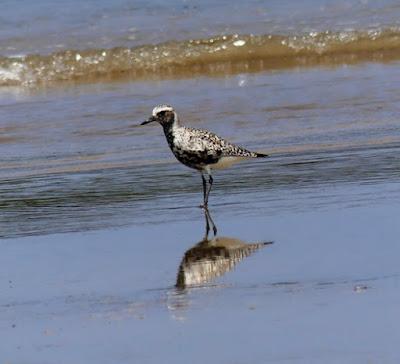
{"type": "Point", "coordinates": [212, 258]}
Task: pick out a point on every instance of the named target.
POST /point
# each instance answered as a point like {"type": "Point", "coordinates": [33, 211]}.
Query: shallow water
{"type": "Point", "coordinates": [75, 158]}
{"type": "Point", "coordinates": [103, 252]}
{"type": "Point", "coordinates": [316, 294]}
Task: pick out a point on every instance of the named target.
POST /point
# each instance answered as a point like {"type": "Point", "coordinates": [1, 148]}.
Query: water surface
{"type": "Point", "coordinates": [76, 158]}
{"type": "Point", "coordinates": [103, 255]}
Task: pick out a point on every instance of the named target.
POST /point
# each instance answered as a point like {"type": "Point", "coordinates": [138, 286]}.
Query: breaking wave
{"type": "Point", "coordinates": [212, 56]}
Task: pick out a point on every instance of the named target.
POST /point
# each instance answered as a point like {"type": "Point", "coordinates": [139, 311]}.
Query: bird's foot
{"type": "Point", "coordinates": [215, 230]}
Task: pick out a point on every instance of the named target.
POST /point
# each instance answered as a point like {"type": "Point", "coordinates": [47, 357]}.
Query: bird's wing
{"type": "Point", "coordinates": [214, 144]}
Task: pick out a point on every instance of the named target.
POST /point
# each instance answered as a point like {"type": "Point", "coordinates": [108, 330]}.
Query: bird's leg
{"type": "Point", "coordinates": [204, 190]}
{"type": "Point", "coordinates": [210, 182]}
{"type": "Point", "coordinates": [208, 221]}
{"type": "Point", "coordinates": [207, 225]}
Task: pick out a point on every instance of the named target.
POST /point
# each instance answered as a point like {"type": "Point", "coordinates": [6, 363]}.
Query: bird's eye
{"type": "Point", "coordinates": [161, 113]}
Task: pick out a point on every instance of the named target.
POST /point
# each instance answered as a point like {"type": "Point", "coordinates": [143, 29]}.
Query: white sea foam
{"type": "Point", "coordinates": [14, 73]}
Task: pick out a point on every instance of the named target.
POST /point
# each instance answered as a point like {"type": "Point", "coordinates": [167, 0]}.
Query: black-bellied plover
{"type": "Point", "coordinates": [196, 148]}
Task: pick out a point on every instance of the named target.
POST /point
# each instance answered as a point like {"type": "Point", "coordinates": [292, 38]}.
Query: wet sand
{"type": "Point", "coordinates": [325, 291]}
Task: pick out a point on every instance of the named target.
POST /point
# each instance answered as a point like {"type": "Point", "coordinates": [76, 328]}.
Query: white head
{"type": "Point", "coordinates": [164, 115]}
{"type": "Point", "coordinates": [163, 107]}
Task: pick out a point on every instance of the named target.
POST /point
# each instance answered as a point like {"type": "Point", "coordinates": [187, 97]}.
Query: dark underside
{"type": "Point", "coordinates": [198, 159]}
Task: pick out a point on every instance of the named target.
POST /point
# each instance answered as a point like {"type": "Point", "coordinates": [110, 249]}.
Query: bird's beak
{"type": "Point", "coordinates": [150, 120]}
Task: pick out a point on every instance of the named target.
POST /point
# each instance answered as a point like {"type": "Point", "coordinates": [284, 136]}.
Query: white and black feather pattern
{"type": "Point", "coordinates": [197, 148]}
{"type": "Point", "coordinates": [206, 140]}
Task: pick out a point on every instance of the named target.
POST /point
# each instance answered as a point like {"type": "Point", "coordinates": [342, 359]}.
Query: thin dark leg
{"type": "Point", "coordinates": [208, 221]}
{"type": "Point", "coordinates": [207, 225]}
{"type": "Point", "coordinates": [210, 182]}
{"type": "Point", "coordinates": [204, 189]}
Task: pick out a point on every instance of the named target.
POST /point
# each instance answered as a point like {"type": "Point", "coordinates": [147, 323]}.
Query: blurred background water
{"type": "Point", "coordinates": [98, 41]}
{"type": "Point", "coordinates": [47, 26]}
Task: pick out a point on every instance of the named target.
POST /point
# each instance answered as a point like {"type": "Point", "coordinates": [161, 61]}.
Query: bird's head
{"type": "Point", "coordinates": [163, 114]}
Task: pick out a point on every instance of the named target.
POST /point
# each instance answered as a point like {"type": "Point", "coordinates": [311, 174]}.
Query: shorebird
{"type": "Point", "coordinates": [198, 149]}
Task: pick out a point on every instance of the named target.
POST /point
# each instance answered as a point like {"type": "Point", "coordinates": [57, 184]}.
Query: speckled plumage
{"type": "Point", "coordinates": [197, 148]}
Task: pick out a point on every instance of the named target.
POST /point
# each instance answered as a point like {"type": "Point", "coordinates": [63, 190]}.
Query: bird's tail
{"type": "Point", "coordinates": [261, 155]}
